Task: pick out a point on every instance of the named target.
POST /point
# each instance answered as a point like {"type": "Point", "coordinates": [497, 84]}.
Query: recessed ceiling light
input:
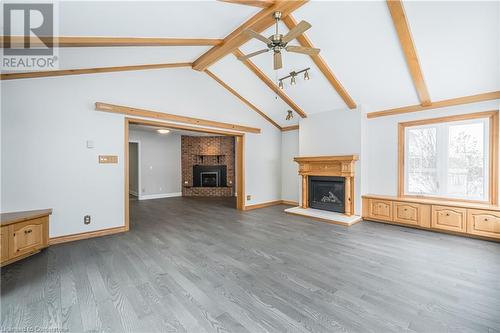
{"type": "Point", "coordinates": [163, 131]}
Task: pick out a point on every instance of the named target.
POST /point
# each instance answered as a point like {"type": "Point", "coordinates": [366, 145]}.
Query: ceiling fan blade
{"type": "Point", "coordinates": [301, 49]}
{"type": "Point", "coordinates": [278, 63]}
{"type": "Point", "coordinates": [258, 36]}
{"type": "Point", "coordinates": [253, 54]}
{"type": "Point", "coordinates": [299, 29]}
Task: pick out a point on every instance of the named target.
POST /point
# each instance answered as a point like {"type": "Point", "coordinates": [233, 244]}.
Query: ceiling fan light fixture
{"type": "Point", "coordinates": [278, 42]}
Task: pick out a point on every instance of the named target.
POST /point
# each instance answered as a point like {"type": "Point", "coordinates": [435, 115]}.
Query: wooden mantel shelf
{"type": "Point", "coordinates": [341, 166]}
{"type": "Point", "coordinates": [326, 158]}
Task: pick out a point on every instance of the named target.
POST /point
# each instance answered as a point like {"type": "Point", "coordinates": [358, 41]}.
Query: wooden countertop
{"type": "Point", "coordinates": [14, 217]}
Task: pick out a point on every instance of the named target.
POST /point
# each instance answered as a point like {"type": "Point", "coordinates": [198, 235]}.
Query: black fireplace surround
{"type": "Point", "coordinates": [209, 176]}
{"type": "Point", "coordinates": [327, 193]}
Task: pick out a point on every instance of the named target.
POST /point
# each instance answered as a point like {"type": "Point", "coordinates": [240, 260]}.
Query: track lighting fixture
{"type": "Point", "coordinates": [289, 115]}
{"type": "Point", "coordinates": [293, 77]}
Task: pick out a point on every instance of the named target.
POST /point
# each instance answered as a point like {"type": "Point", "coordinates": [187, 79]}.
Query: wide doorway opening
{"type": "Point", "coordinates": [179, 165]}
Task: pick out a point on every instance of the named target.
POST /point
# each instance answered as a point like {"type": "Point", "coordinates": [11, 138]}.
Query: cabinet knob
{"type": "Point", "coordinates": [447, 214]}
{"type": "Point", "coordinates": [27, 231]}
{"type": "Point", "coordinates": [486, 220]}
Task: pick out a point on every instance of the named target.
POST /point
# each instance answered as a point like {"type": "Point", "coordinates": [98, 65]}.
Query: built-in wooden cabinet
{"type": "Point", "coordinates": [23, 234]}
{"type": "Point", "coordinates": [4, 243]}
{"type": "Point", "coordinates": [457, 217]}
{"type": "Point", "coordinates": [28, 236]}
{"type": "Point", "coordinates": [411, 213]}
{"type": "Point", "coordinates": [483, 223]}
{"type": "Point", "coordinates": [449, 218]}
{"type": "Point", "coordinates": [380, 209]}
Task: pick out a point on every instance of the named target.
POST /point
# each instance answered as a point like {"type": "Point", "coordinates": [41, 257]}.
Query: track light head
{"type": "Point", "coordinates": [306, 75]}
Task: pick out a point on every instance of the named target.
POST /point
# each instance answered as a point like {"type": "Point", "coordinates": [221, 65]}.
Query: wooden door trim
{"type": "Point", "coordinates": [131, 111]}
{"type": "Point", "coordinates": [240, 159]}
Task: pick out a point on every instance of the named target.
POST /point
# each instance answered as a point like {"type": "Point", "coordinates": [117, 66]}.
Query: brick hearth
{"type": "Point", "coordinates": [209, 150]}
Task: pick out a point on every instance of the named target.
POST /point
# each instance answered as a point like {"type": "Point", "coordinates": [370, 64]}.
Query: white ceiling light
{"type": "Point", "coordinates": [163, 131]}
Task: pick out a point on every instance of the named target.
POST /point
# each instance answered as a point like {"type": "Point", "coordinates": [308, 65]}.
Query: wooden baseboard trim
{"type": "Point", "coordinates": [290, 203]}
{"type": "Point", "coordinates": [263, 205]}
{"type": "Point", "coordinates": [271, 203]}
{"type": "Point", "coordinates": [86, 235]}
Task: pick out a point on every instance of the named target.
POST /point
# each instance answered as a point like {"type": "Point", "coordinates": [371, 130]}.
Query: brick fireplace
{"type": "Point", "coordinates": [208, 166]}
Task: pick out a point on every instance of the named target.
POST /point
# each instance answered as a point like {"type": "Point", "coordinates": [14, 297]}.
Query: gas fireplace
{"type": "Point", "coordinates": [327, 193]}
{"type": "Point", "coordinates": [209, 176]}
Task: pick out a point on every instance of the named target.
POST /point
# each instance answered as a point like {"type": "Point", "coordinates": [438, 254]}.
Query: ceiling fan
{"type": "Point", "coordinates": [278, 42]}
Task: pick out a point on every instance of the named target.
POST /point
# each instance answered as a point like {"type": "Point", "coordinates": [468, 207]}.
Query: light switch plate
{"type": "Point", "coordinates": [108, 159]}
{"type": "Point", "coordinates": [90, 144]}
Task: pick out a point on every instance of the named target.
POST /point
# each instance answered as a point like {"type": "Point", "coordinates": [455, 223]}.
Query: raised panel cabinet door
{"type": "Point", "coordinates": [381, 209]}
{"type": "Point", "coordinates": [4, 243]}
{"type": "Point", "coordinates": [408, 213]}
{"type": "Point", "coordinates": [28, 237]}
{"type": "Point", "coordinates": [483, 222]}
{"type": "Point", "coordinates": [449, 218]}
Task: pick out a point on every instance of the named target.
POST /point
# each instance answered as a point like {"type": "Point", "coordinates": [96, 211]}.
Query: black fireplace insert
{"type": "Point", "coordinates": [209, 176]}
{"type": "Point", "coordinates": [327, 193]}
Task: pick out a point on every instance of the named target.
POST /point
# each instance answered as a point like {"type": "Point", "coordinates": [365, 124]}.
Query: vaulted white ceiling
{"type": "Point", "coordinates": [457, 42]}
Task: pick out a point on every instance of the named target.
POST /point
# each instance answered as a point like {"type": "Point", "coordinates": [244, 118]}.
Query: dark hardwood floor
{"type": "Point", "coordinates": [196, 265]}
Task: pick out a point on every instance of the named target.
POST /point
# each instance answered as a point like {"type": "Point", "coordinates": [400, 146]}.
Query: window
{"type": "Point", "coordinates": [450, 157]}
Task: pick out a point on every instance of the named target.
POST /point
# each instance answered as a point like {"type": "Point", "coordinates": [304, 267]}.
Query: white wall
{"type": "Point", "coordinates": [46, 122]}
{"type": "Point", "coordinates": [336, 132]}
{"type": "Point", "coordinates": [382, 144]}
{"type": "Point", "coordinates": [160, 160]}
{"type": "Point", "coordinates": [290, 179]}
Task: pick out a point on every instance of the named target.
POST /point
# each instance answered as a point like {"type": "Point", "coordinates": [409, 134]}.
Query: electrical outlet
{"type": "Point", "coordinates": [249, 197]}
{"type": "Point", "coordinates": [86, 219]}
